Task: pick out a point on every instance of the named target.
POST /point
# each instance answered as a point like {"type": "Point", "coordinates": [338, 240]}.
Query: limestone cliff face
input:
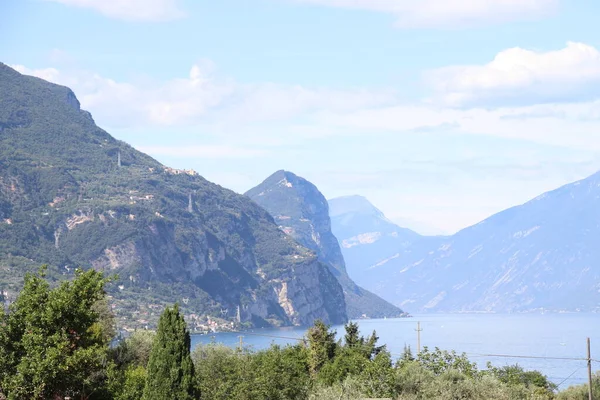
{"type": "Point", "coordinates": [71, 195]}
{"type": "Point", "coordinates": [302, 212]}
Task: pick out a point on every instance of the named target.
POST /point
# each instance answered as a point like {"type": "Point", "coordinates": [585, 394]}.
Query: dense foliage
{"type": "Point", "coordinates": [170, 368]}
{"type": "Point", "coordinates": [54, 342]}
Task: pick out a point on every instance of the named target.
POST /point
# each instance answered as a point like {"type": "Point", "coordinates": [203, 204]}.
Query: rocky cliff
{"type": "Point", "coordinates": [302, 212]}
{"type": "Point", "coordinates": [72, 195]}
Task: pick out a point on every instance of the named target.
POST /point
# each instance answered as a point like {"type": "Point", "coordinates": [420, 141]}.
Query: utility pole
{"type": "Point", "coordinates": [241, 343]}
{"type": "Point", "coordinates": [119, 159]}
{"type": "Point", "coordinates": [589, 360]}
{"type": "Point", "coordinates": [418, 337]}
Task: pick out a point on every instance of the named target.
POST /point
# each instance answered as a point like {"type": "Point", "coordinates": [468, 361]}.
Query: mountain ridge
{"type": "Point", "coordinates": [537, 255]}
{"type": "Point", "coordinates": [72, 195]}
{"type": "Point", "coordinates": [367, 237]}
{"type": "Point", "coordinates": [302, 212]}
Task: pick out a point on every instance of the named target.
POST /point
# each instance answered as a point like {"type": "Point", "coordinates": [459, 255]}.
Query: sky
{"type": "Point", "coordinates": [440, 112]}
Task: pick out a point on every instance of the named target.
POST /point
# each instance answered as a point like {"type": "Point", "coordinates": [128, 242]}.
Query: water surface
{"type": "Point", "coordinates": [481, 336]}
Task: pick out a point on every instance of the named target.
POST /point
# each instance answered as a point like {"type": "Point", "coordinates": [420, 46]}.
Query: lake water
{"type": "Point", "coordinates": [478, 335]}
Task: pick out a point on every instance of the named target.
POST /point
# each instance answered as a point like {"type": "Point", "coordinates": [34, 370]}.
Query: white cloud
{"type": "Point", "coordinates": [133, 10]}
{"type": "Point", "coordinates": [448, 13]}
{"type": "Point", "coordinates": [574, 126]}
{"type": "Point", "coordinates": [521, 76]}
{"type": "Point", "coordinates": [201, 98]}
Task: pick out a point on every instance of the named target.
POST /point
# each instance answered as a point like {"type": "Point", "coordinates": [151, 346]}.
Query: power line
{"type": "Point", "coordinates": [568, 377]}
{"type": "Point", "coordinates": [530, 357]}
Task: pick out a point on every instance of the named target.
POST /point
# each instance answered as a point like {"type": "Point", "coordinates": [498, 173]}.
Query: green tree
{"type": "Point", "coordinates": [170, 368]}
{"type": "Point", "coordinates": [321, 346]}
{"type": "Point", "coordinates": [127, 383]}
{"type": "Point", "coordinates": [440, 361]}
{"type": "Point", "coordinates": [281, 373]}
{"type": "Point", "coordinates": [352, 338]}
{"type": "Point", "coordinates": [127, 370]}
{"type": "Point", "coordinates": [52, 341]}
{"type": "Point", "coordinates": [378, 377]}
{"type": "Point", "coordinates": [515, 375]}
{"type": "Point", "coordinates": [134, 350]}
{"type": "Point", "coordinates": [218, 371]}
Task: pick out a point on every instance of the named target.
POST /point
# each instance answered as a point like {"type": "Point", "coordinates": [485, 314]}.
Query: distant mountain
{"type": "Point", "coordinates": [422, 228]}
{"type": "Point", "coordinates": [366, 236]}
{"type": "Point", "coordinates": [542, 255]}
{"type": "Point", "coordinates": [302, 212]}
{"type": "Point", "coordinates": [71, 195]}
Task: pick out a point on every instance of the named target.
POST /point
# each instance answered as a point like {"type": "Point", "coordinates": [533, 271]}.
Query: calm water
{"type": "Point", "coordinates": [478, 335]}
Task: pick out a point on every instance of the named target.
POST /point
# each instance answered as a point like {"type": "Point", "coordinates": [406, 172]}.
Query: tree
{"type": "Point", "coordinates": [134, 350]}
{"type": "Point", "coordinates": [440, 361]}
{"type": "Point", "coordinates": [378, 376]}
{"type": "Point", "coordinates": [515, 375]}
{"type": "Point", "coordinates": [321, 346]}
{"type": "Point", "coordinates": [127, 369]}
{"type": "Point", "coordinates": [52, 341]}
{"type": "Point", "coordinates": [170, 368]}
{"type": "Point", "coordinates": [352, 337]}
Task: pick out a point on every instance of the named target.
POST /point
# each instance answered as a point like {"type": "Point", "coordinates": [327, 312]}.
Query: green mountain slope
{"type": "Point", "coordinates": [302, 212]}
{"type": "Point", "coordinates": [72, 195]}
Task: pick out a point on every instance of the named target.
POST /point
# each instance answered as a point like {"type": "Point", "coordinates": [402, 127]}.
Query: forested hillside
{"type": "Point", "coordinates": [72, 195]}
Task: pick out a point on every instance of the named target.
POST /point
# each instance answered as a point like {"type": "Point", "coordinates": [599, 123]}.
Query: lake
{"type": "Point", "coordinates": [478, 335]}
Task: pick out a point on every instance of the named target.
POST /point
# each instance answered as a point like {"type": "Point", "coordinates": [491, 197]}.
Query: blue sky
{"type": "Point", "coordinates": [441, 112]}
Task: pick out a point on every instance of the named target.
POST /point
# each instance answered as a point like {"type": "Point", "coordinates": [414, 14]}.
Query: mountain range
{"type": "Point", "coordinates": [365, 235]}
{"type": "Point", "coordinates": [73, 196]}
{"type": "Point", "coordinates": [542, 255]}
{"type": "Point", "coordinates": [302, 212]}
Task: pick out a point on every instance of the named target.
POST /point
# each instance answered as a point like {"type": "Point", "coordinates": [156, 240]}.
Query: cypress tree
{"type": "Point", "coordinates": [170, 368]}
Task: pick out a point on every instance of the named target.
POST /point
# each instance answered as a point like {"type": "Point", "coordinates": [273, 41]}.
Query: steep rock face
{"type": "Point", "coordinates": [71, 195]}
{"type": "Point", "coordinates": [540, 255]}
{"type": "Point", "coordinates": [302, 212]}
{"type": "Point", "coordinates": [366, 236]}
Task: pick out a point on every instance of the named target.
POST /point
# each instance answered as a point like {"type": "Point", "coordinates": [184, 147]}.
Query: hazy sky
{"type": "Point", "coordinates": [439, 111]}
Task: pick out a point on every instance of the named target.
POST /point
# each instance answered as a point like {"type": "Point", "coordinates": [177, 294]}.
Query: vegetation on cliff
{"type": "Point", "coordinates": [73, 196]}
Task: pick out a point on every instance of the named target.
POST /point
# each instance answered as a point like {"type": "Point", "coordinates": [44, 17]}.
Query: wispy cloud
{"type": "Point", "coordinates": [448, 13]}
{"type": "Point", "coordinates": [519, 76]}
{"type": "Point", "coordinates": [203, 97]}
{"type": "Point", "coordinates": [568, 125]}
{"type": "Point", "coordinates": [133, 10]}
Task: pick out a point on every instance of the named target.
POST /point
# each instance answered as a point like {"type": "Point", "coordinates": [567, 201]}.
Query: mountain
{"type": "Point", "coordinates": [72, 195]}
{"type": "Point", "coordinates": [542, 255]}
{"type": "Point", "coordinates": [303, 213]}
{"type": "Point", "coordinates": [365, 235]}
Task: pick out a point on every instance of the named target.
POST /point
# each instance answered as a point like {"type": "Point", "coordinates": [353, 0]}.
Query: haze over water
{"type": "Point", "coordinates": [478, 335]}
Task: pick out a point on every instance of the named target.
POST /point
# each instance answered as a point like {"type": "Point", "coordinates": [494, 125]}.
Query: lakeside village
{"type": "Point", "coordinates": [145, 317]}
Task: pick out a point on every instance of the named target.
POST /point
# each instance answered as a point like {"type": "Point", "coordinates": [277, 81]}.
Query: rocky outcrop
{"type": "Point", "coordinates": [302, 212]}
